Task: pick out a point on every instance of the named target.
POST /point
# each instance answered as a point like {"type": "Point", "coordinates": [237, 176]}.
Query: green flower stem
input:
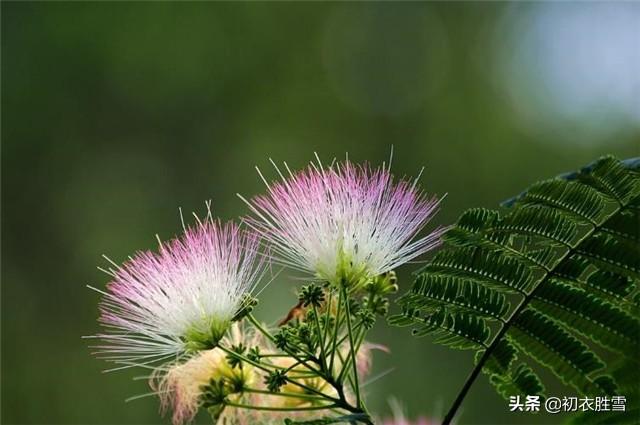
{"type": "Point", "coordinates": [328, 378]}
{"type": "Point", "coordinates": [283, 394]}
{"type": "Point", "coordinates": [298, 375]}
{"type": "Point", "coordinates": [362, 331]}
{"type": "Point", "coordinates": [266, 356]}
{"type": "Point", "coordinates": [327, 317]}
{"type": "Point", "coordinates": [343, 338]}
{"type": "Point", "coordinates": [297, 363]}
{"type": "Point", "coordinates": [340, 405]}
{"type": "Point", "coordinates": [266, 369]}
{"type": "Point", "coordinates": [342, 372]}
{"type": "Point", "coordinates": [330, 341]}
{"type": "Point", "coordinates": [323, 354]}
{"type": "Point", "coordinates": [216, 413]}
{"type": "Point", "coordinates": [279, 409]}
{"type": "Point", "coordinates": [310, 356]}
{"type": "Point", "coordinates": [347, 363]}
{"type": "Point", "coordinates": [351, 347]}
{"type": "Point", "coordinates": [334, 346]}
{"type": "Point", "coordinates": [260, 328]}
{"type": "Point", "coordinates": [268, 335]}
{"type": "Point", "coordinates": [262, 366]}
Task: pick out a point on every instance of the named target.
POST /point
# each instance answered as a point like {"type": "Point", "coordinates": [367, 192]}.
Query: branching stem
{"type": "Point", "coordinates": [351, 347]}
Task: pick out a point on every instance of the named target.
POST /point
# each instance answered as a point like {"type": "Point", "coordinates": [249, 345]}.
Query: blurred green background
{"type": "Point", "coordinates": [115, 114]}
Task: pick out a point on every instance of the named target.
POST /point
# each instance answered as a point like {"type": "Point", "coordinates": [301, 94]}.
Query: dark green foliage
{"type": "Point", "coordinates": [589, 315]}
{"type": "Point", "coordinates": [550, 344]}
{"type": "Point", "coordinates": [311, 295]}
{"type": "Point", "coordinates": [583, 201]}
{"type": "Point", "coordinates": [510, 381]}
{"type": "Point", "coordinates": [214, 394]}
{"type": "Point", "coordinates": [482, 265]}
{"type": "Point", "coordinates": [254, 354]}
{"type": "Point", "coordinates": [557, 272]}
{"type": "Point", "coordinates": [503, 355]}
{"type": "Point", "coordinates": [367, 317]}
{"type": "Point", "coordinates": [351, 418]}
{"type": "Point", "coordinates": [458, 330]}
{"type": "Point", "coordinates": [234, 358]}
{"type": "Point", "coordinates": [521, 381]}
{"type": "Point", "coordinates": [539, 221]}
{"type": "Point", "coordinates": [275, 380]}
{"type": "Point", "coordinates": [610, 254]}
{"type": "Point", "coordinates": [613, 284]}
{"type": "Point", "coordinates": [627, 375]}
{"type": "Point", "coordinates": [281, 339]}
{"type": "Point", "coordinates": [459, 293]}
{"type": "Point", "coordinates": [624, 226]}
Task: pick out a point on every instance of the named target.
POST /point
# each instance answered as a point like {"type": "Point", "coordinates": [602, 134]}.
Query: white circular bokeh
{"type": "Point", "coordinates": [571, 68]}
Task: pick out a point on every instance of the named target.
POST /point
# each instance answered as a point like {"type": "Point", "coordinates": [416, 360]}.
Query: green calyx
{"type": "Point", "coordinates": [384, 284]}
{"type": "Point", "coordinates": [275, 380]}
{"type": "Point", "coordinates": [311, 295]}
{"type": "Point", "coordinates": [246, 307]}
{"type": "Point", "coordinates": [214, 395]}
{"type": "Point", "coordinates": [206, 338]}
{"type": "Point", "coordinates": [377, 290]}
{"type": "Point", "coordinates": [348, 274]}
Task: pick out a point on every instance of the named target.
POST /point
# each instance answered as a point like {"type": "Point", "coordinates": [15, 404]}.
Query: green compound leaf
{"type": "Point", "coordinates": [539, 221]}
{"type": "Point", "coordinates": [457, 330]}
{"type": "Point", "coordinates": [574, 198]}
{"type": "Point", "coordinates": [482, 265]}
{"type": "Point", "coordinates": [522, 381]}
{"type": "Point", "coordinates": [569, 359]}
{"type": "Point", "coordinates": [552, 281]}
{"type": "Point", "coordinates": [459, 294]}
{"type": "Point", "coordinates": [589, 315]}
{"type": "Point", "coordinates": [608, 253]}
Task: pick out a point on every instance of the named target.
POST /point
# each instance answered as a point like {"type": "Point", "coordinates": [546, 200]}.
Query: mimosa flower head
{"type": "Point", "coordinates": [182, 385]}
{"type": "Point", "coordinates": [180, 299]}
{"type": "Point", "coordinates": [343, 223]}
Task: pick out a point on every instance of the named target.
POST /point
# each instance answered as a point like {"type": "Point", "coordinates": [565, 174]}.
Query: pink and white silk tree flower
{"type": "Point", "coordinates": [345, 223]}
{"type": "Point", "coordinates": [180, 299]}
{"type": "Point", "coordinates": [182, 385]}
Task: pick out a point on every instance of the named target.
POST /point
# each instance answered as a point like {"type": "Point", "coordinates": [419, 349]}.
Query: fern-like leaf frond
{"type": "Point", "coordinates": [522, 381]}
{"type": "Point", "coordinates": [589, 315]}
{"type": "Point", "coordinates": [483, 265]}
{"type": "Point", "coordinates": [460, 294]}
{"type": "Point", "coordinates": [457, 330]}
{"type": "Point", "coordinates": [572, 361]}
{"type": "Point", "coordinates": [557, 272]}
